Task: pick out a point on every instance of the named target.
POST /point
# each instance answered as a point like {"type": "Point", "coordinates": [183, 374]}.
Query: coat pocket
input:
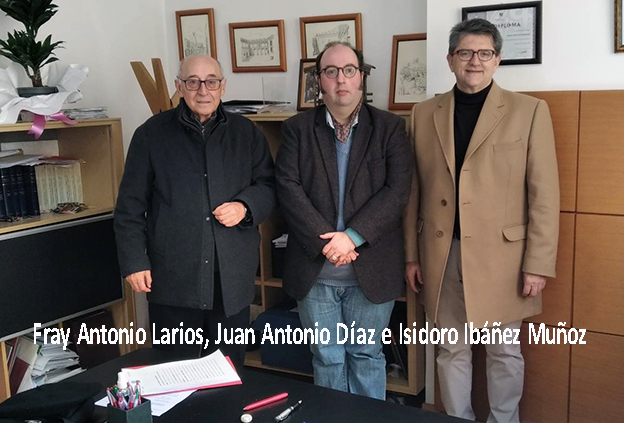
{"type": "Point", "coordinates": [508, 146]}
{"type": "Point", "coordinates": [515, 232]}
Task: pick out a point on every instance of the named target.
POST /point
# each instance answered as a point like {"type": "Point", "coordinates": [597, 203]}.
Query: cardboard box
{"type": "Point", "coordinates": [296, 357]}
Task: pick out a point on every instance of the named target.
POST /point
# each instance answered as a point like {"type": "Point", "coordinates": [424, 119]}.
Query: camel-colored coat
{"type": "Point", "coordinates": [509, 202]}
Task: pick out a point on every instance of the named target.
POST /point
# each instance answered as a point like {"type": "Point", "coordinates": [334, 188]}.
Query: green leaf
{"type": "Point", "coordinates": [32, 13]}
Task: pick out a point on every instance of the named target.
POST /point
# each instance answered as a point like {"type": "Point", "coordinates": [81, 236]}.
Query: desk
{"type": "Point", "coordinates": [225, 405]}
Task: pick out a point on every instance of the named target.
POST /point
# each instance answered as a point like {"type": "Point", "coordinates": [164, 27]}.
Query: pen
{"type": "Point", "coordinates": [111, 398]}
{"type": "Point", "coordinates": [284, 414]}
{"type": "Point", "coordinates": [266, 401]}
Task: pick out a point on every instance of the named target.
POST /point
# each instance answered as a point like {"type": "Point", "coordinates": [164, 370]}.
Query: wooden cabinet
{"type": "Point", "coordinates": [579, 383]}
{"type": "Point", "coordinates": [99, 143]}
{"type": "Point", "coordinates": [269, 288]}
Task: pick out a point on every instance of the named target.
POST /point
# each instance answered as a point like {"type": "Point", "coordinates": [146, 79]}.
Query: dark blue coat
{"type": "Point", "coordinates": [175, 176]}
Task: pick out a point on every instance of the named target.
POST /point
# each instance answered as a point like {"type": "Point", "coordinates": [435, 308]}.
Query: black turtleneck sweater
{"type": "Point", "coordinates": [467, 110]}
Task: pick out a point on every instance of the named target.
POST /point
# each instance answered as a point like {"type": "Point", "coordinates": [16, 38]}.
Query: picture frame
{"type": "Point", "coordinates": [196, 32]}
{"type": "Point", "coordinates": [619, 23]}
{"type": "Point", "coordinates": [306, 94]}
{"type": "Point", "coordinates": [317, 31]}
{"type": "Point", "coordinates": [408, 74]}
{"type": "Point", "coordinates": [258, 46]}
{"type": "Point", "coordinates": [520, 24]}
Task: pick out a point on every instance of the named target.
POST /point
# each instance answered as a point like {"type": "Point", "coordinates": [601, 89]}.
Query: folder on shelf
{"type": "Point", "coordinates": [26, 355]}
{"type": "Point", "coordinates": [213, 371]}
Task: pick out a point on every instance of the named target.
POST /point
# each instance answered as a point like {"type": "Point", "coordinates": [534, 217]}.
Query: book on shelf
{"type": "Point", "coordinates": [26, 354]}
{"type": "Point", "coordinates": [86, 113]}
{"type": "Point", "coordinates": [34, 184]}
{"type": "Point", "coordinates": [9, 153]}
{"type": "Point", "coordinates": [11, 352]}
{"type": "Point", "coordinates": [36, 363]}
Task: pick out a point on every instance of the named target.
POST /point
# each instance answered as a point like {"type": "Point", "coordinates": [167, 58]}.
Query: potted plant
{"type": "Point", "coordinates": [22, 47]}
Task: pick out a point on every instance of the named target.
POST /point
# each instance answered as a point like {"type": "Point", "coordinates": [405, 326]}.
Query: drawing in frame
{"type": "Point", "coordinates": [408, 76]}
{"type": "Point", "coordinates": [317, 31]}
{"type": "Point", "coordinates": [258, 46]}
{"type": "Point", "coordinates": [520, 25]}
{"type": "Point", "coordinates": [196, 32]}
{"type": "Point", "coordinates": [619, 26]}
{"type": "Point", "coordinates": [307, 85]}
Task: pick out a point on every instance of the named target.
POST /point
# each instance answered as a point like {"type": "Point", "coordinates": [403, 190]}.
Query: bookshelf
{"type": "Point", "coordinates": [269, 288]}
{"type": "Point", "coordinates": [99, 143]}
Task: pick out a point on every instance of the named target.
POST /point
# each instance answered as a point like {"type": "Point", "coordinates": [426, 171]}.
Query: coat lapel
{"type": "Point", "coordinates": [361, 137]}
{"type": "Point", "coordinates": [325, 140]}
{"type": "Point", "coordinates": [443, 122]}
{"type": "Point", "coordinates": [490, 116]}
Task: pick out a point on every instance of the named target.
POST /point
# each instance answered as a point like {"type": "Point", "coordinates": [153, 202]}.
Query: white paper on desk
{"type": "Point", "coordinates": [210, 371]}
{"type": "Point", "coordinates": [160, 403]}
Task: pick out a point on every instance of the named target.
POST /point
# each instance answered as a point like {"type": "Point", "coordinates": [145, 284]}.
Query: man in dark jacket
{"type": "Point", "coordinates": [344, 174]}
{"type": "Point", "coordinates": [197, 183]}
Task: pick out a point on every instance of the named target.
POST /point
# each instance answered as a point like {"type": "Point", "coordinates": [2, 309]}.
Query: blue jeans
{"type": "Point", "coordinates": [350, 367]}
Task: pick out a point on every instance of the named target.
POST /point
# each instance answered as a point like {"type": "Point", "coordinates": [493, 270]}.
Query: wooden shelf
{"type": "Point", "coordinates": [270, 117]}
{"type": "Point", "coordinates": [254, 359]}
{"type": "Point", "coordinates": [50, 219]}
{"type": "Point", "coordinates": [99, 143]}
{"type": "Point", "coordinates": [273, 282]}
{"type": "Point", "coordinates": [54, 124]}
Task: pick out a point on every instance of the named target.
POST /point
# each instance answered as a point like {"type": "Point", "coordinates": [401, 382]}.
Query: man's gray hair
{"type": "Point", "coordinates": [475, 26]}
{"type": "Point", "coordinates": [183, 60]}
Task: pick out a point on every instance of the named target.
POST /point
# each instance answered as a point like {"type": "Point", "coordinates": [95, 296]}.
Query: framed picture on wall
{"type": "Point", "coordinates": [196, 32]}
{"type": "Point", "coordinates": [408, 74]}
{"type": "Point", "coordinates": [317, 31]}
{"type": "Point", "coordinates": [520, 24]}
{"type": "Point", "coordinates": [619, 22]}
{"type": "Point", "coordinates": [258, 46]}
{"type": "Point", "coordinates": [307, 84]}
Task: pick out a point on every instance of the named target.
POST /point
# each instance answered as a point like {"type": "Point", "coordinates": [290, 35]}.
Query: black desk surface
{"type": "Point", "coordinates": [225, 405]}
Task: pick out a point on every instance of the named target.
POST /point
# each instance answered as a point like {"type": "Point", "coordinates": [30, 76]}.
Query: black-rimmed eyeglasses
{"type": "Point", "coordinates": [193, 84]}
{"type": "Point", "coordinates": [348, 71]}
{"type": "Point", "coordinates": [483, 55]}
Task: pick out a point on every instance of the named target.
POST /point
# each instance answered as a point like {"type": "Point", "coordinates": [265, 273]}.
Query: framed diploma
{"type": "Point", "coordinates": [520, 24]}
{"type": "Point", "coordinates": [619, 23]}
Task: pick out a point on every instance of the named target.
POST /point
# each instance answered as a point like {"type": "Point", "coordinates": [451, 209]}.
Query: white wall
{"type": "Point", "coordinates": [106, 36]}
{"type": "Point", "coordinates": [577, 48]}
{"type": "Point", "coordinates": [380, 21]}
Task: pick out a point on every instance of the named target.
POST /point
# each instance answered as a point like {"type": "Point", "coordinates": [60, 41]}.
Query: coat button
{"type": "Point", "coordinates": [443, 202]}
{"type": "Point", "coordinates": [440, 234]}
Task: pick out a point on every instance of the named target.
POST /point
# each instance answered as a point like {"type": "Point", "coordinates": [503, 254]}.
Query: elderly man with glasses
{"type": "Point", "coordinates": [483, 219]}
{"type": "Point", "coordinates": [197, 182]}
{"type": "Point", "coordinates": [343, 173]}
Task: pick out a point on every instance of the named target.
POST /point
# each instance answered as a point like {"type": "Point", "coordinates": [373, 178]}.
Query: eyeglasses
{"type": "Point", "coordinates": [483, 55]}
{"type": "Point", "coordinates": [332, 72]}
{"type": "Point", "coordinates": [195, 84]}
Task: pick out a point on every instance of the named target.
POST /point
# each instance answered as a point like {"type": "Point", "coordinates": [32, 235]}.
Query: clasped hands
{"type": "Point", "coordinates": [340, 250]}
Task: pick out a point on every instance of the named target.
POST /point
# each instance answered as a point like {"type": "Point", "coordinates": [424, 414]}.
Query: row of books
{"type": "Point", "coordinates": [32, 364]}
{"type": "Point", "coordinates": [35, 188]}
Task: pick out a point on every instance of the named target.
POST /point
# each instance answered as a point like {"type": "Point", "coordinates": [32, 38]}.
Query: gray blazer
{"type": "Point", "coordinates": [379, 177]}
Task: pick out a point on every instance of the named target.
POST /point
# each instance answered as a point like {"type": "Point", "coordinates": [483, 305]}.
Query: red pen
{"type": "Point", "coordinates": [266, 401]}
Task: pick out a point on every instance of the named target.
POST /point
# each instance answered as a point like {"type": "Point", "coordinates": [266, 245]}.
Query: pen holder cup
{"type": "Point", "coordinates": [139, 414]}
